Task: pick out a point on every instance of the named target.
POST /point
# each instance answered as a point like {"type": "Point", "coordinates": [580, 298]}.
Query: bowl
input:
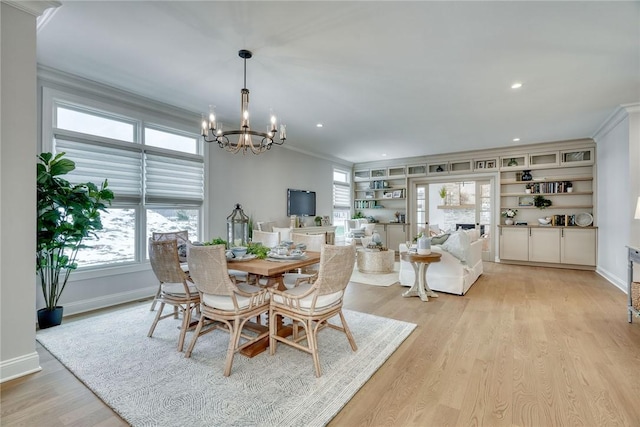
{"type": "Point", "coordinates": [544, 221]}
{"type": "Point", "coordinates": [239, 251]}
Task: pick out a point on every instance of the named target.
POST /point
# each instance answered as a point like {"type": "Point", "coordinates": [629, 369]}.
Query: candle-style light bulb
{"type": "Point", "coordinates": [283, 132]}
{"type": "Point", "coordinates": [204, 126]}
{"type": "Point", "coordinates": [212, 118]}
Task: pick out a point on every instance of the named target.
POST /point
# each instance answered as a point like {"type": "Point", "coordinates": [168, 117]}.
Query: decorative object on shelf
{"type": "Point", "coordinates": [318, 221]}
{"type": "Point", "coordinates": [326, 220]}
{"type": "Point", "coordinates": [358, 215]}
{"type": "Point", "coordinates": [526, 175]}
{"type": "Point", "coordinates": [512, 162]}
{"type": "Point", "coordinates": [509, 214]}
{"type": "Point", "coordinates": [525, 201]}
{"type": "Point", "coordinates": [443, 194]}
{"type": "Point", "coordinates": [491, 164]}
{"type": "Point", "coordinates": [424, 245]}
{"type": "Point", "coordinates": [540, 202]}
{"type": "Point", "coordinates": [66, 214]}
{"type": "Point", "coordinates": [584, 219]}
{"type": "Point", "coordinates": [544, 221]}
{"type": "Point", "coordinates": [569, 187]}
{"type": "Point", "coordinates": [439, 169]}
{"type": "Point", "coordinates": [397, 194]}
{"type": "Point", "coordinates": [212, 131]}
{"type": "Point", "coordinates": [237, 227]}
{"type": "Point", "coordinates": [527, 188]}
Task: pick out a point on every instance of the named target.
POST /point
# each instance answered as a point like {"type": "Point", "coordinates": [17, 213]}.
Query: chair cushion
{"type": "Point", "coordinates": [239, 275]}
{"type": "Point", "coordinates": [289, 279]}
{"type": "Point", "coordinates": [224, 302]}
{"type": "Point", "coordinates": [178, 288]}
{"type": "Point", "coordinates": [305, 303]}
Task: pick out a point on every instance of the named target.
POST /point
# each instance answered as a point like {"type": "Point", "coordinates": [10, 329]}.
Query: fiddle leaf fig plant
{"type": "Point", "coordinates": [67, 214]}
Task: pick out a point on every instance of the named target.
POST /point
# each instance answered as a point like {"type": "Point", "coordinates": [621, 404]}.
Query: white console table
{"type": "Point", "coordinates": [328, 230]}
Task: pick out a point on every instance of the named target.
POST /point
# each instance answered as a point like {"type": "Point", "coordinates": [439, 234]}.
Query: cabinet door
{"type": "Point", "coordinates": [544, 245]}
{"type": "Point", "coordinates": [396, 234]}
{"type": "Point", "coordinates": [579, 246]}
{"type": "Point", "coordinates": [514, 243]}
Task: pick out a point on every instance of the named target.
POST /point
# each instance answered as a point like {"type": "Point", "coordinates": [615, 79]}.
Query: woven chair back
{"type": "Point", "coordinates": [314, 242]}
{"type": "Point", "coordinates": [208, 270]}
{"type": "Point", "coordinates": [336, 267]}
{"type": "Point", "coordinates": [165, 263]}
{"type": "Point", "coordinates": [268, 239]}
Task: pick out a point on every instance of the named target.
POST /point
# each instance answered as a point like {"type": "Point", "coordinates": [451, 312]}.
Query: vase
{"type": "Point", "coordinates": [512, 162]}
{"type": "Point", "coordinates": [526, 175]}
{"type": "Point", "coordinates": [508, 221]}
{"type": "Point", "coordinates": [424, 245]}
{"type": "Point", "coordinates": [49, 318]}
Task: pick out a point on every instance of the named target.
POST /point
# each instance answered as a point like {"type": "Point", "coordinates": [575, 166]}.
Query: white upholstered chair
{"type": "Point", "coordinates": [310, 305]}
{"type": "Point", "coordinates": [223, 301]}
{"type": "Point", "coordinates": [268, 239]}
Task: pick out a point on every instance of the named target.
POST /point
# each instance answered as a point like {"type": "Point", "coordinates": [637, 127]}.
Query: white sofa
{"type": "Point", "coordinates": [451, 274]}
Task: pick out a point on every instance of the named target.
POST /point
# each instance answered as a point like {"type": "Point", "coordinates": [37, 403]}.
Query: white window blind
{"type": "Point", "coordinates": [94, 161]}
{"type": "Point", "coordinates": [173, 179]}
{"type": "Point", "coordinates": [341, 195]}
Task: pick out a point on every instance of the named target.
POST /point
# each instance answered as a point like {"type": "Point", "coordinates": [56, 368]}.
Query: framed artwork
{"type": "Point", "coordinates": [397, 194]}
{"type": "Point", "coordinates": [491, 164]}
{"type": "Point", "coordinates": [388, 195]}
{"type": "Point", "coordinates": [525, 201]}
{"type": "Point", "coordinates": [480, 164]}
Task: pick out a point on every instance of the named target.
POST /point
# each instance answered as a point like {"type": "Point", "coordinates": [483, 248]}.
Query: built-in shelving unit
{"type": "Point", "coordinates": [381, 192]}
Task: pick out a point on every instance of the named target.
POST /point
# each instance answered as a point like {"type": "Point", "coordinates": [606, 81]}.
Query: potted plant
{"type": "Point", "coordinates": [528, 188]}
{"type": "Point", "coordinates": [443, 193]}
{"type": "Point", "coordinates": [509, 214]}
{"type": "Point", "coordinates": [66, 214]}
{"type": "Point", "coordinates": [540, 202]}
{"type": "Point", "coordinates": [318, 221]}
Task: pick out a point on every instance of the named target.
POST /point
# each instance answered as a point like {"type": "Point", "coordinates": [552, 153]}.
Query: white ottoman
{"type": "Point", "coordinates": [376, 262]}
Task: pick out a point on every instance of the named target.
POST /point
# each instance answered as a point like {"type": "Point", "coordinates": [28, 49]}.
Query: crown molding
{"type": "Point", "coordinates": [35, 8]}
{"type": "Point", "coordinates": [618, 115]}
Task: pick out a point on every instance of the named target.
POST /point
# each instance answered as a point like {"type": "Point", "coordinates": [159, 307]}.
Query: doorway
{"type": "Point", "coordinates": [441, 206]}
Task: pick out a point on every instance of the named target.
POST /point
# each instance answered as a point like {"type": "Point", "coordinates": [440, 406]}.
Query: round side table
{"type": "Point", "coordinates": [420, 263]}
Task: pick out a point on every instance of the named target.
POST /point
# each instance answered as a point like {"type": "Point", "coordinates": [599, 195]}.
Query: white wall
{"type": "Point", "coordinates": [17, 192]}
{"type": "Point", "coordinates": [259, 183]}
{"type": "Point", "coordinates": [618, 187]}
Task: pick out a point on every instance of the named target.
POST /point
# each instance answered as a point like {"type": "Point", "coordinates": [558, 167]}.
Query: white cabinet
{"type": "Point", "coordinates": [544, 245]}
{"type": "Point", "coordinates": [552, 245]}
{"type": "Point", "coordinates": [579, 246]}
{"type": "Point", "coordinates": [396, 234]}
{"type": "Point", "coordinates": [514, 243]}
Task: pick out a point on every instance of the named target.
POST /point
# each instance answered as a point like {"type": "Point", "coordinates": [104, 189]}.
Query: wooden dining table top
{"type": "Point", "coordinates": [266, 267]}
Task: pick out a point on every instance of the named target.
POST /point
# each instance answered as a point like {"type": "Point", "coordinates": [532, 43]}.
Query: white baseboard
{"type": "Point", "coordinates": [613, 279]}
{"type": "Point", "coordinates": [19, 366]}
{"type": "Point", "coordinates": [83, 306]}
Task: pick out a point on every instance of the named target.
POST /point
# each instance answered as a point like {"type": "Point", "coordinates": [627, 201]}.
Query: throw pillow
{"type": "Point", "coordinates": [438, 240]}
{"type": "Point", "coordinates": [458, 245]}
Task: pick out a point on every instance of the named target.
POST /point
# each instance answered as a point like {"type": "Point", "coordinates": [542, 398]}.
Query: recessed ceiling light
{"type": "Point", "coordinates": [516, 85]}
{"type": "Point", "coordinates": [516, 139]}
{"type": "Point", "coordinates": [384, 154]}
{"type": "Point", "coordinates": [319, 125]}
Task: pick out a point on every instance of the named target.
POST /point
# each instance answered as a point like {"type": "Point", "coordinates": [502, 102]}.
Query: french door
{"type": "Point", "coordinates": [442, 206]}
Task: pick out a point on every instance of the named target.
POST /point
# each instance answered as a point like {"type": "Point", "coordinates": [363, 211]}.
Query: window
{"type": "Point", "coordinates": [341, 200]}
{"type": "Point", "coordinates": [155, 172]}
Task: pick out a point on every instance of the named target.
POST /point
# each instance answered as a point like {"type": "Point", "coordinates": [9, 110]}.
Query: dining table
{"type": "Point", "coordinates": [273, 269]}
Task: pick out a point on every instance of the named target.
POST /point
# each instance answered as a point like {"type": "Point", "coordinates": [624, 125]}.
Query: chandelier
{"type": "Point", "coordinates": [257, 142]}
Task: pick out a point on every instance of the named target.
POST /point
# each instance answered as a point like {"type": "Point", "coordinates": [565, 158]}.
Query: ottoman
{"type": "Point", "coordinates": [375, 262]}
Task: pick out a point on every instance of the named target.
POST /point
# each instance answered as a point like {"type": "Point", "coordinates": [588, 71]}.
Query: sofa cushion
{"type": "Point", "coordinates": [438, 240]}
{"type": "Point", "coordinates": [458, 245]}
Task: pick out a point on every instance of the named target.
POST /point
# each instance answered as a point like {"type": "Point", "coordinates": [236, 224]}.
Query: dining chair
{"type": "Point", "coordinates": [314, 242]}
{"type": "Point", "coordinates": [313, 304]}
{"type": "Point", "coordinates": [268, 239]}
{"type": "Point", "coordinates": [182, 239]}
{"type": "Point", "coordinates": [224, 301]}
{"type": "Point", "coordinates": [176, 288]}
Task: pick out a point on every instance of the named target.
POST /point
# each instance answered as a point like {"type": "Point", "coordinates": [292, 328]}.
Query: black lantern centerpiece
{"type": "Point", "coordinates": [237, 227]}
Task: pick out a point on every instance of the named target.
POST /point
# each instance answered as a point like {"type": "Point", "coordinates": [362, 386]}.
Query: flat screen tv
{"type": "Point", "coordinates": [301, 202]}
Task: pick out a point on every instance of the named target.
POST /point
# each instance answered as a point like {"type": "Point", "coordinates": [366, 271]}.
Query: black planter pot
{"type": "Point", "coordinates": [49, 318]}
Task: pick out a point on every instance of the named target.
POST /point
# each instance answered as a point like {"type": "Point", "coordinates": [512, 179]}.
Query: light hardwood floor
{"type": "Point", "coordinates": [527, 346]}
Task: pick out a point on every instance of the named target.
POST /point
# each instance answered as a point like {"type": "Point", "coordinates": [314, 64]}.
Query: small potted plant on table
{"type": "Point", "coordinates": [509, 214]}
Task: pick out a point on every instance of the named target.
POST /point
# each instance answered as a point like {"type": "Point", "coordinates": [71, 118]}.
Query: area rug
{"type": "Point", "coordinates": [376, 279]}
{"type": "Point", "coordinates": [149, 383]}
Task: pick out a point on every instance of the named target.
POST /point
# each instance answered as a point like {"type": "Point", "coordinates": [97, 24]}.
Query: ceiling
{"type": "Point", "coordinates": [397, 78]}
